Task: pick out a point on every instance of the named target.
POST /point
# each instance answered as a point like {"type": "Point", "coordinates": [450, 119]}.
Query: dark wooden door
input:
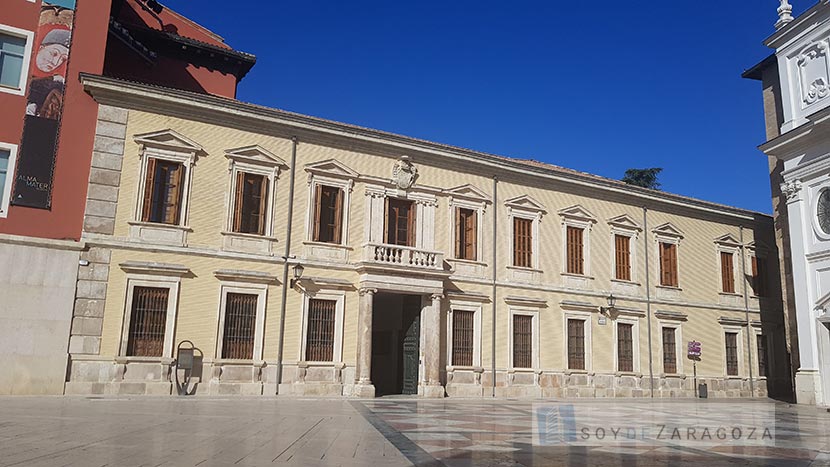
{"type": "Point", "coordinates": [411, 337]}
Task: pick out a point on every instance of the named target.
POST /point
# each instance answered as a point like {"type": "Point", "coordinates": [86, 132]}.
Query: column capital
{"type": "Point", "coordinates": [437, 296]}
{"type": "Point", "coordinates": [791, 190]}
{"type": "Point", "coordinates": [366, 290]}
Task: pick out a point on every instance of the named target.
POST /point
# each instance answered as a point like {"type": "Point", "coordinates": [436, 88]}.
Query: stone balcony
{"type": "Point", "coordinates": [402, 268]}
{"type": "Point", "coordinates": [403, 256]}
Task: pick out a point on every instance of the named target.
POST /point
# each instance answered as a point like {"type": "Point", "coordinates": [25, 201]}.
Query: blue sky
{"type": "Point", "coordinates": [599, 86]}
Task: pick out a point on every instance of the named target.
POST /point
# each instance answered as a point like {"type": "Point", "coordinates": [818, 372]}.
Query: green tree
{"type": "Point", "coordinates": [646, 178]}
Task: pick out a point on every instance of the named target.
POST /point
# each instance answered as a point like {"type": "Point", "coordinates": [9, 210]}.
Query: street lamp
{"type": "Point", "coordinates": [298, 273]}
{"type": "Point", "coordinates": [612, 302]}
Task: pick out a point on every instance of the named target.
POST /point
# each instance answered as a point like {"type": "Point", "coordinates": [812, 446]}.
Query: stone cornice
{"type": "Point", "coordinates": [230, 112]}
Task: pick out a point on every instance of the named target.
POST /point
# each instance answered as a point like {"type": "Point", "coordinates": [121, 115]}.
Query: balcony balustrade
{"type": "Point", "coordinates": [403, 256]}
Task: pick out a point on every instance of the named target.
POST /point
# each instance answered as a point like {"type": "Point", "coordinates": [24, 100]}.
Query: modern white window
{"type": "Point", "coordinates": [241, 321]}
{"type": "Point", "coordinates": [464, 335]}
{"type": "Point", "coordinates": [15, 55]}
{"type": "Point", "coordinates": [8, 157]}
{"type": "Point", "coordinates": [523, 333]}
{"type": "Point", "coordinates": [322, 339]}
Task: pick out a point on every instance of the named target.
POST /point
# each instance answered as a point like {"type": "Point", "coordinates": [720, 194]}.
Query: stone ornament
{"type": "Point", "coordinates": [404, 173]}
{"type": "Point", "coordinates": [785, 14]}
{"type": "Point", "coordinates": [791, 189]}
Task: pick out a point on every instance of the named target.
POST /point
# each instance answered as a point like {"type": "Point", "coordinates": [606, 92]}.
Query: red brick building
{"type": "Point", "coordinates": [47, 153]}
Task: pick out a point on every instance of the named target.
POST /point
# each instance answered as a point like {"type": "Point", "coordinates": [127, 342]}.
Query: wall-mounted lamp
{"type": "Point", "coordinates": [298, 273]}
{"type": "Point", "coordinates": [612, 302]}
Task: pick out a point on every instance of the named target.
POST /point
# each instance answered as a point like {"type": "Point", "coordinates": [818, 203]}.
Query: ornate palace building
{"type": "Point", "coordinates": [795, 81]}
{"type": "Point", "coordinates": [302, 256]}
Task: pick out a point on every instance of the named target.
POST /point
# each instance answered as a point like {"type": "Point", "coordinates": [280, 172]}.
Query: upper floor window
{"type": "Point", "coordinates": [727, 271]}
{"type": "Point", "coordinates": [15, 53]}
{"type": "Point", "coordinates": [254, 172]}
{"type": "Point", "coordinates": [668, 238]}
{"type": "Point", "coordinates": [330, 187]}
{"type": "Point", "coordinates": [466, 234]}
{"type": "Point", "coordinates": [328, 214]}
{"type": "Point", "coordinates": [524, 213]}
{"type": "Point", "coordinates": [163, 190]}
{"type": "Point", "coordinates": [466, 204]}
{"type": "Point", "coordinates": [577, 223]}
{"type": "Point", "coordinates": [251, 203]}
{"type": "Point", "coordinates": [624, 231]}
{"type": "Point", "coordinates": [400, 222]}
{"type": "Point", "coordinates": [759, 276]}
{"type": "Point", "coordinates": [8, 156]}
{"type": "Point", "coordinates": [167, 158]}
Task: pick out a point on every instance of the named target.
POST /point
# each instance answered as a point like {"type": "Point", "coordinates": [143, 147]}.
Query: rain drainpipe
{"type": "Point", "coordinates": [285, 259]}
{"type": "Point", "coordinates": [495, 276]}
{"type": "Point", "coordinates": [746, 313]}
{"type": "Point", "coordinates": [648, 303]}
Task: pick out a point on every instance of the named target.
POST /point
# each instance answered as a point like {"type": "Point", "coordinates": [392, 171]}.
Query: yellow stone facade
{"type": "Point", "coordinates": [200, 259]}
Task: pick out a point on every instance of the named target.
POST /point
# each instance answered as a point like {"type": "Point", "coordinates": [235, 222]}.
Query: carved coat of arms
{"type": "Point", "coordinates": [404, 173]}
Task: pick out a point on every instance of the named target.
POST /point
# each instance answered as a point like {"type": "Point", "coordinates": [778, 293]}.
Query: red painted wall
{"type": "Point", "coordinates": [65, 219]}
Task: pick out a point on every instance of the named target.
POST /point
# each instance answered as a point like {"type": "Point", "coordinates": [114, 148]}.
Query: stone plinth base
{"type": "Point", "coordinates": [365, 391]}
{"type": "Point", "coordinates": [807, 387]}
{"type": "Point", "coordinates": [431, 391]}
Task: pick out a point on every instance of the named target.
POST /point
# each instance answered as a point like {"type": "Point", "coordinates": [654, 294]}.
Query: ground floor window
{"type": "Point", "coordinates": [462, 337]}
{"type": "Point", "coordinates": [320, 332]}
{"type": "Point", "coordinates": [763, 362]}
{"type": "Point", "coordinates": [731, 353]}
{"type": "Point", "coordinates": [625, 347]}
{"type": "Point", "coordinates": [576, 344]}
{"type": "Point", "coordinates": [240, 326]}
{"type": "Point", "coordinates": [669, 351]}
{"type": "Point", "coordinates": [522, 341]}
{"type": "Point", "coordinates": [148, 320]}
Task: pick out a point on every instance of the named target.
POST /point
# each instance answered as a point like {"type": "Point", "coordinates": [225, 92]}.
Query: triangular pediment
{"type": "Point", "coordinates": [331, 167]}
{"type": "Point", "coordinates": [525, 202]}
{"type": "Point", "coordinates": [728, 240]}
{"type": "Point", "coordinates": [577, 212]}
{"type": "Point", "coordinates": [168, 139]}
{"type": "Point", "coordinates": [255, 154]}
{"type": "Point", "coordinates": [468, 192]}
{"type": "Point", "coordinates": [624, 222]}
{"type": "Point", "coordinates": [669, 230]}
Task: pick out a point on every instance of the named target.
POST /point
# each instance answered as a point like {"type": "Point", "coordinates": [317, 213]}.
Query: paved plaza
{"type": "Point", "coordinates": [405, 431]}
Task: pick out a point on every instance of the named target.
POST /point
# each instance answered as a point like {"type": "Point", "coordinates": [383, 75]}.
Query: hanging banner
{"type": "Point", "coordinates": [44, 105]}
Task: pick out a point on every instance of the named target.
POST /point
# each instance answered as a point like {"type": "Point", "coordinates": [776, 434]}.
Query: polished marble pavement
{"type": "Point", "coordinates": [170, 431]}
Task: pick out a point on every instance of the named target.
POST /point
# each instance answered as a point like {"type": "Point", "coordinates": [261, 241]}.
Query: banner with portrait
{"type": "Point", "coordinates": [44, 105]}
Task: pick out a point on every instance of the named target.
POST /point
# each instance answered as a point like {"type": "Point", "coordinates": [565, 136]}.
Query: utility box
{"type": "Point", "coordinates": [703, 391]}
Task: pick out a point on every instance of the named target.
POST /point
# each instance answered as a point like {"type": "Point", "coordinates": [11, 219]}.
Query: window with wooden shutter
{"type": "Point", "coordinates": [622, 257]}
{"type": "Point", "coordinates": [163, 190]}
{"type": "Point", "coordinates": [320, 330]}
{"type": "Point", "coordinates": [240, 326]}
{"type": "Point", "coordinates": [522, 242]}
{"type": "Point", "coordinates": [462, 337]}
{"type": "Point", "coordinates": [466, 233]}
{"type": "Point", "coordinates": [148, 320]}
{"type": "Point", "coordinates": [727, 272]}
{"type": "Point", "coordinates": [576, 344]}
{"type": "Point", "coordinates": [328, 214]}
{"type": "Point", "coordinates": [732, 353]}
{"type": "Point", "coordinates": [625, 347]}
{"type": "Point", "coordinates": [669, 351]}
{"type": "Point", "coordinates": [575, 250]}
{"type": "Point", "coordinates": [400, 222]}
{"type": "Point", "coordinates": [763, 362]}
{"type": "Point", "coordinates": [251, 203]}
{"type": "Point", "coordinates": [668, 264]}
{"type": "Point", "coordinates": [758, 276]}
{"type": "Point", "coordinates": [522, 341]}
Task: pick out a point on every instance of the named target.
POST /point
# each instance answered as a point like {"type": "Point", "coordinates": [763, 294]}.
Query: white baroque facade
{"type": "Point", "coordinates": [796, 84]}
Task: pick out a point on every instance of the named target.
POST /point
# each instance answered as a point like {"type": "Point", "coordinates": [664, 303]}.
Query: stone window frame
{"type": "Point", "coordinates": [467, 197]}
{"type": "Point", "coordinates": [678, 346]}
{"type": "Point", "coordinates": [739, 349]}
{"type": "Point", "coordinates": [253, 160]}
{"type": "Point", "coordinates": [181, 150]}
{"type": "Point", "coordinates": [155, 281]}
{"type": "Point", "coordinates": [525, 207]}
{"type": "Point", "coordinates": [667, 233]}
{"type": "Point", "coordinates": [476, 308]}
{"type": "Point", "coordinates": [337, 296]}
{"type": "Point", "coordinates": [756, 331]}
{"type": "Point", "coordinates": [6, 191]}
{"type": "Point", "coordinates": [28, 51]}
{"type": "Point", "coordinates": [585, 317]}
{"type": "Point", "coordinates": [761, 254]}
{"type": "Point", "coordinates": [535, 357]}
{"type": "Point", "coordinates": [335, 174]}
{"type": "Point", "coordinates": [248, 288]}
{"type": "Point", "coordinates": [578, 217]}
{"type": "Point", "coordinates": [625, 226]}
{"type": "Point", "coordinates": [730, 245]}
{"type": "Point", "coordinates": [635, 344]}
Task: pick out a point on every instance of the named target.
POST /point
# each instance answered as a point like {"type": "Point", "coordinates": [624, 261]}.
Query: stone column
{"type": "Point", "coordinates": [432, 352]}
{"type": "Point", "coordinates": [363, 383]}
